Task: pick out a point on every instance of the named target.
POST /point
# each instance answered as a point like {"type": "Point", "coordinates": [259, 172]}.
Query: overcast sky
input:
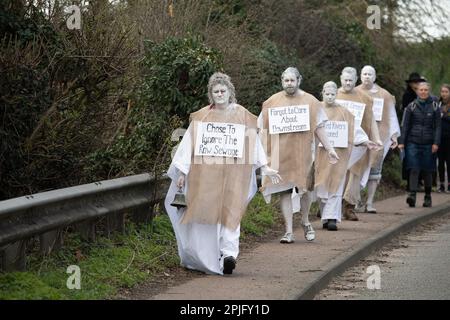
{"type": "Point", "coordinates": [435, 22]}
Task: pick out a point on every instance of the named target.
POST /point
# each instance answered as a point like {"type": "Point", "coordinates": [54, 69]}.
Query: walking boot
{"type": "Point", "coordinates": [427, 201]}
{"type": "Point", "coordinates": [332, 225]}
{"type": "Point", "coordinates": [411, 200]}
{"type": "Point", "coordinates": [229, 263]}
{"type": "Point", "coordinates": [349, 214]}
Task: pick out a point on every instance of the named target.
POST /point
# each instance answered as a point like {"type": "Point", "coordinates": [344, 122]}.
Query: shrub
{"type": "Point", "coordinates": [176, 75]}
{"type": "Point", "coordinates": [174, 84]}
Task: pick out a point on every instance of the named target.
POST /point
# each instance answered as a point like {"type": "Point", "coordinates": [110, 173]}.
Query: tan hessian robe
{"type": "Point", "coordinates": [218, 191]}
{"type": "Point", "coordinates": [389, 125]}
{"type": "Point", "coordinates": [329, 175]}
{"type": "Point", "coordinates": [359, 172]}
{"type": "Point", "coordinates": [330, 178]}
{"type": "Point", "coordinates": [292, 154]}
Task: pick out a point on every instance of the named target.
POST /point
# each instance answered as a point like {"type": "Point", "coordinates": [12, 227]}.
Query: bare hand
{"type": "Point", "coordinates": [394, 143]}
{"type": "Point", "coordinates": [180, 182]}
{"type": "Point", "coordinates": [276, 178]}
{"type": "Point", "coordinates": [333, 158]}
{"type": "Point", "coordinates": [371, 145]}
{"type": "Point", "coordinates": [401, 146]}
{"type": "Point", "coordinates": [272, 174]}
{"type": "Point", "coordinates": [434, 148]}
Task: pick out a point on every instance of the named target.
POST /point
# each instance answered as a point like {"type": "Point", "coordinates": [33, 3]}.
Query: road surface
{"type": "Point", "coordinates": [415, 265]}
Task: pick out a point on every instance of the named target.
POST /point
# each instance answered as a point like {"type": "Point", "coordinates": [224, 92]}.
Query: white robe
{"type": "Point", "coordinates": [203, 246]}
{"type": "Point", "coordinates": [394, 129]}
{"type": "Point", "coordinates": [394, 126]}
{"type": "Point", "coordinates": [331, 203]}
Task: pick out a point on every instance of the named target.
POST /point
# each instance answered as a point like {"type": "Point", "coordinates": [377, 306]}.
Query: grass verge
{"type": "Point", "coordinates": [106, 265]}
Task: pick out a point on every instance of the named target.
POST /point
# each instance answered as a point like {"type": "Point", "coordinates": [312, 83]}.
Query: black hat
{"type": "Point", "coordinates": [415, 77]}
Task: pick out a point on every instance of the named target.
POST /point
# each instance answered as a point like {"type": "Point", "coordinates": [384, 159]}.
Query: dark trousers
{"type": "Point", "coordinates": [414, 180]}
{"type": "Point", "coordinates": [444, 159]}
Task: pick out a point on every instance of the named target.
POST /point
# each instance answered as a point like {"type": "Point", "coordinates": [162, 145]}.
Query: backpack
{"type": "Point", "coordinates": [436, 106]}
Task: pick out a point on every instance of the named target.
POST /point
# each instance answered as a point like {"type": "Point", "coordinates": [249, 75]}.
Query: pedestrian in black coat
{"type": "Point", "coordinates": [420, 137]}
{"type": "Point", "coordinates": [409, 96]}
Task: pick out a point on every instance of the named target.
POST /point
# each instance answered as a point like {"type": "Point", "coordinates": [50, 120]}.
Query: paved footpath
{"type": "Point", "coordinates": [299, 270]}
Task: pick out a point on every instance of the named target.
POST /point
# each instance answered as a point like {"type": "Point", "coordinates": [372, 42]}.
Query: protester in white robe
{"type": "Point", "coordinates": [388, 127]}
{"type": "Point", "coordinates": [330, 178]}
{"type": "Point", "coordinates": [361, 105]}
{"type": "Point", "coordinates": [290, 145]}
{"type": "Point", "coordinates": [208, 230]}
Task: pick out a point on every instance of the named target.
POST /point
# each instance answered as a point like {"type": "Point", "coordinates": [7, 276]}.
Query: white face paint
{"type": "Point", "coordinates": [368, 76]}
{"type": "Point", "coordinates": [220, 95]}
{"type": "Point", "coordinates": [329, 95]}
{"type": "Point", "coordinates": [348, 82]}
{"type": "Point", "coordinates": [290, 83]}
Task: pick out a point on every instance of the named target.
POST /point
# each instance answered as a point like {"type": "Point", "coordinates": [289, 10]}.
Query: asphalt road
{"type": "Point", "coordinates": [415, 265]}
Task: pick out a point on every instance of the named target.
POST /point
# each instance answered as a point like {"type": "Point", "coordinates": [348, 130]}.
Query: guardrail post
{"type": "Point", "coordinates": [50, 241]}
{"type": "Point", "coordinates": [142, 215]}
{"type": "Point", "coordinates": [13, 256]}
{"type": "Point", "coordinates": [115, 222]}
{"type": "Point", "coordinates": [86, 230]}
{"type": "Point", "coordinates": [162, 207]}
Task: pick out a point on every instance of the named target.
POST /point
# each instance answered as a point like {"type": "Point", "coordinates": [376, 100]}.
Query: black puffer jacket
{"type": "Point", "coordinates": [421, 123]}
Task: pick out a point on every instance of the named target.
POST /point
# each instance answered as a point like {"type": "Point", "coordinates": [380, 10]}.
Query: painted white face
{"type": "Point", "coordinates": [348, 82]}
{"type": "Point", "coordinates": [367, 76]}
{"type": "Point", "coordinates": [329, 95]}
{"type": "Point", "coordinates": [290, 83]}
{"type": "Point", "coordinates": [220, 94]}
